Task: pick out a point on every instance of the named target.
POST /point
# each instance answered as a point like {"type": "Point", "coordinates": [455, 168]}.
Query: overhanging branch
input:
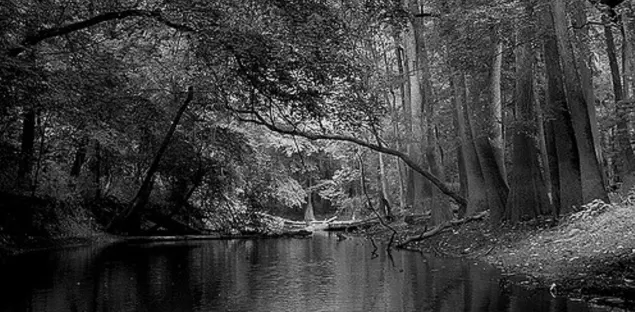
{"type": "Point", "coordinates": [47, 33]}
{"type": "Point", "coordinates": [379, 148]}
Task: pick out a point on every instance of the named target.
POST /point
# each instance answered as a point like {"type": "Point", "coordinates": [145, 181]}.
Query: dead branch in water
{"type": "Point", "coordinates": [438, 229]}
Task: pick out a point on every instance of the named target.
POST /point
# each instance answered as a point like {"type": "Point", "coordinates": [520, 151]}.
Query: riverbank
{"type": "Point", "coordinates": [10, 247]}
{"type": "Point", "coordinates": [589, 255]}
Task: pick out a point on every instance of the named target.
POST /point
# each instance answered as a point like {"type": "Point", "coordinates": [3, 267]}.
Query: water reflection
{"type": "Point", "coordinates": [317, 274]}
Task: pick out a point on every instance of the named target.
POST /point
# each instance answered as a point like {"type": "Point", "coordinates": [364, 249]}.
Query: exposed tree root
{"type": "Point", "coordinates": [440, 228]}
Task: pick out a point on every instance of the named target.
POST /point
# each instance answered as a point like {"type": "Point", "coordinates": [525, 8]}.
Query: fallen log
{"type": "Point", "coordinates": [440, 228]}
{"type": "Point", "coordinates": [349, 225]}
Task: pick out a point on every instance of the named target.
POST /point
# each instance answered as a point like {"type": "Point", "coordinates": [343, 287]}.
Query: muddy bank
{"type": "Point", "coordinates": [589, 255]}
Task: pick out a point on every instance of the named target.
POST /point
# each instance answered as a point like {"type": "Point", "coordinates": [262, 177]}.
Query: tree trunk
{"type": "Point", "coordinates": [496, 107]}
{"type": "Point", "coordinates": [551, 149]}
{"type": "Point", "coordinates": [584, 59]}
{"type": "Point", "coordinates": [416, 146]}
{"type": "Point", "coordinates": [26, 149]}
{"type": "Point", "coordinates": [395, 126]}
{"type": "Point", "coordinates": [476, 190]}
{"type": "Point", "coordinates": [590, 170]}
{"type": "Point", "coordinates": [309, 214]}
{"type": "Point", "coordinates": [625, 162]}
{"type": "Point", "coordinates": [527, 196]}
{"type": "Point", "coordinates": [141, 199]}
{"type": "Point", "coordinates": [91, 186]}
{"type": "Point", "coordinates": [610, 52]}
{"type": "Point", "coordinates": [404, 72]}
{"type": "Point", "coordinates": [80, 158]}
{"type": "Point", "coordinates": [628, 56]}
{"type": "Point", "coordinates": [460, 159]}
{"type": "Point", "coordinates": [438, 203]}
{"type": "Point", "coordinates": [484, 131]}
{"type": "Point", "coordinates": [384, 186]}
{"type": "Point", "coordinates": [569, 190]}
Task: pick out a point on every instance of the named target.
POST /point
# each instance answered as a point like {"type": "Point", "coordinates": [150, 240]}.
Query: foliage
{"type": "Point", "coordinates": [105, 94]}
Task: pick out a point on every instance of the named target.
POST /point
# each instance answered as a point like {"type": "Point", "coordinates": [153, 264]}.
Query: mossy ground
{"type": "Point", "coordinates": [588, 255]}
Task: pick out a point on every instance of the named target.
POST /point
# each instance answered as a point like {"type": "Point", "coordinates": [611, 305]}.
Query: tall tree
{"type": "Point", "coordinates": [528, 195]}
{"type": "Point", "coordinates": [476, 189]}
{"type": "Point", "coordinates": [417, 143]}
{"type": "Point", "coordinates": [436, 201]}
{"type": "Point", "coordinates": [569, 184]}
{"type": "Point", "coordinates": [584, 61]}
{"type": "Point", "coordinates": [484, 127]}
{"type": "Point", "coordinates": [590, 169]}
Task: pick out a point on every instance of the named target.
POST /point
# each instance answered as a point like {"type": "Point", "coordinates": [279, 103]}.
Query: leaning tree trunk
{"type": "Point", "coordinates": [143, 194]}
{"type": "Point", "coordinates": [590, 170]}
{"type": "Point", "coordinates": [528, 195]}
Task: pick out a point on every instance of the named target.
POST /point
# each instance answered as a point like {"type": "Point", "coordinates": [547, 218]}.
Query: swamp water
{"type": "Point", "coordinates": [304, 275]}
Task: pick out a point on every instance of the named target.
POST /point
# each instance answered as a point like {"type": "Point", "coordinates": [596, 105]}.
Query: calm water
{"type": "Point", "coordinates": [316, 274]}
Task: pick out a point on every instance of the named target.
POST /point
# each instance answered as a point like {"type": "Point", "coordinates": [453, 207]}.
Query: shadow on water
{"type": "Point", "coordinates": [316, 274]}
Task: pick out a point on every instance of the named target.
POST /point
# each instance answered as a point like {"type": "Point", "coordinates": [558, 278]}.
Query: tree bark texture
{"type": "Point", "coordinates": [590, 170]}
{"type": "Point", "coordinates": [628, 52]}
{"type": "Point", "coordinates": [584, 58]}
{"type": "Point", "coordinates": [610, 52]}
{"type": "Point", "coordinates": [404, 71]}
{"type": "Point", "coordinates": [476, 189]}
{"type": "Point", "coordinates": [416, 146]}
{"type": "Point", "coordinates": [496, 125]}
{"type": "Point", "coordinates": [528, 195]}
{"type": "Point", "coordinates": [483, 123]}
{"type": "Point", "coordinates": [434, 198]}
{"type": "Point", "coordinates": [559, 120]}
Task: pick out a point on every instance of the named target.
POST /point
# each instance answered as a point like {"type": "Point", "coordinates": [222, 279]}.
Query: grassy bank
{"type": "Point", "coordinates": [588, 255]}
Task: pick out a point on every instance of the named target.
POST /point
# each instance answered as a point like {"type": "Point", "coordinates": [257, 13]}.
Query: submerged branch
{"type": "Point", "coordinates": [438, 229]}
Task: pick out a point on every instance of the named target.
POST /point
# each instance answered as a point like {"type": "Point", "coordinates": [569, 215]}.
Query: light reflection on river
{"type": "Point", "coordinates": [316, 274]}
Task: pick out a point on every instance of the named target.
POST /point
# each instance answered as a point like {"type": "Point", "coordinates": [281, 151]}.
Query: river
{"type": "Point", "coordinates": [304, 275]}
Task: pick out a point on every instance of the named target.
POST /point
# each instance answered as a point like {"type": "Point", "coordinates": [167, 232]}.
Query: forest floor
{"type": "Point", "coordinates": [588, 255]}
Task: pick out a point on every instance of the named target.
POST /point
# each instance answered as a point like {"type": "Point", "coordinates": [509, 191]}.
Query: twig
{"type": "Point", "coordinates": [442, 227]}
{"type": "Point", "coordinates": [370, 204]}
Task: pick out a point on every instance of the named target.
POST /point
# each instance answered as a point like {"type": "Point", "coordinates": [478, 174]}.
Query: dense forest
{"type": "Point", "coordinates": [132, 116]}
